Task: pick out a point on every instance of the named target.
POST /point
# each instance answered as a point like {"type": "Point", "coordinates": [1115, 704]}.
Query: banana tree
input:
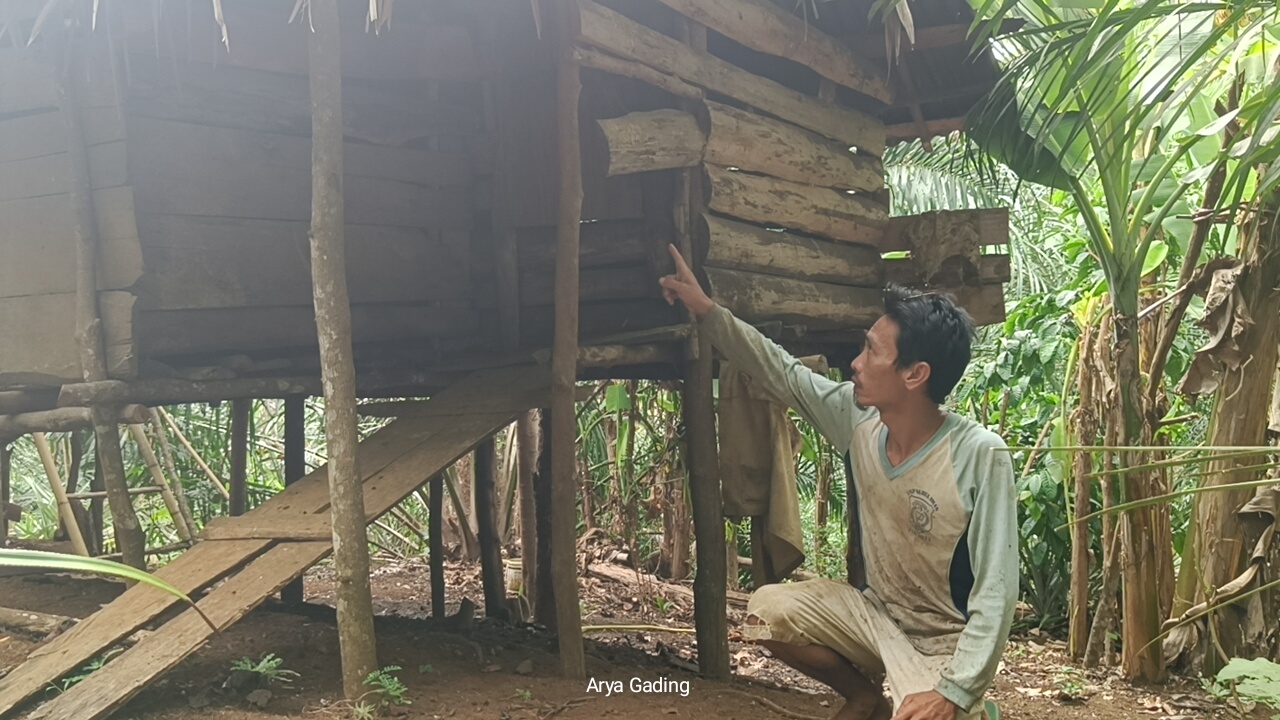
{"type": "Point", "coordinates": [1111, 97]}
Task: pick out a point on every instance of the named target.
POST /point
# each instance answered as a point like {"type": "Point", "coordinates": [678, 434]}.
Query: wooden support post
{"type": "Point", "coordinates": [491, 572]}
{"type": "Point", "coordinates": [295, 467]}
{"type": "Point", "coordinates": [435, 539]}
{"type": "Point", "coordinates": [239, 502]}
{"type": "Point", "coordinates": [129, 536]}
{"type": "Point", "coordinates": [60, 494]}
{"type": "Point", "coordinates": [527, 444]}
{"type": "Point", "coordinates": [157, 476]}
{"type": "Point", "coordinates": [6, 468]}
{"type": "Point", "coordinates": [545, 609]}
{"type": "Point", "coordinates": [710, 583]}
{"type": "Point", "coordinates": [333, 325]}
{"type": "Point", "coordinates": [564, 356]}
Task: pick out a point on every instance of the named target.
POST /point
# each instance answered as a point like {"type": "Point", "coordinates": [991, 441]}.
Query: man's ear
{"type": "Point", "coordinates": [917, 375]}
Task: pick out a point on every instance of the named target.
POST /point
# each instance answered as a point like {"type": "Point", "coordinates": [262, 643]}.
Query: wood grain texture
{"type": "Point", "coordinates": [807, 208]}
{"type": "Point", "coordinates": [739, 246]}
{"type": "Point", "coordinates": [823, 306]}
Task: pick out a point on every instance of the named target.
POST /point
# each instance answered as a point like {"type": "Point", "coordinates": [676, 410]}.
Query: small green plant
{"type": "Point", "coordinates": [662, 604]}
{"type": "Point", "coordinates": [1070, 683]}
{"type": "Point", "coordinates": [364, 711]}
{"type": "Point", "coordinates": [1254, 680]}
{"type": "Point", "coordinates": [268, 667]}
{"type": "Point", "coordinates": [524, 694]}
{"type": "Point", "coordinates": [424, 669]}
{"type": "Point", "coordinates": [388, 687]}
{"type": "Point", "coordinates": [84, 672]}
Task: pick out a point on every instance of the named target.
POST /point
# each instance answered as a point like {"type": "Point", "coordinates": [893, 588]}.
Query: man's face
{"type": "Point", "coordinates": [877, 379]}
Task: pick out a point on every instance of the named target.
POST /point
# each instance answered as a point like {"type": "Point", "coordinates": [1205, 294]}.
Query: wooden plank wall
{"type": "Point", "coordinates": [222, 181]}
{"type": "Point", "coordinates": [37, 258]}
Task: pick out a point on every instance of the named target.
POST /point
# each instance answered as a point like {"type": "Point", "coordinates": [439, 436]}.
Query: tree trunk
{"type": "Point", "coordinates": [333, 324]}
{"type": "Point", "coordinates": [1142, 659]}
{"type": "Point", "coordinates": [295, 467]}
{"type": "Point", "coordinates": [527, 442]}
{"type": "Point", "coordinates": [1240, 417]}
{"type": "Point", "coordinates": [491, 572]}
{"type": "Point", "coordinates": [677, 528]}
{"type": "Point", "coordinates": [130, 538]}
{"type": "Point", "coordinates": [6, 465]}
{"type": "Point", "coordinates": [1085, 431]}
{"type": "Point", "coordinates": [435, 540]}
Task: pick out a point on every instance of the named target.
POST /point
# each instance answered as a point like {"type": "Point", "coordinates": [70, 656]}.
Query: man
{"type": "Point", "coordinates": [935, 500]}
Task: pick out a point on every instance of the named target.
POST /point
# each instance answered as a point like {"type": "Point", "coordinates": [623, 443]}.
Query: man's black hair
{"type": "Point", "coordinates": [931, 329]}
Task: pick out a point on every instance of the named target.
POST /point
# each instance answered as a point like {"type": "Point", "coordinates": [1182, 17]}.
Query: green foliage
{"type": "Point", "coordinates": [387, 686]}
{"type": "Point", "coordinates": [1256, 680]}
{"type": "Point", "coordinates": [268, 667]}
{"type": "Point", "coordinates": [93, 666]}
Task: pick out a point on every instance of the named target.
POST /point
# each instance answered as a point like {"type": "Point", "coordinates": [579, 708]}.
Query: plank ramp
{"type": "Point", "coordinates": [248, 568]}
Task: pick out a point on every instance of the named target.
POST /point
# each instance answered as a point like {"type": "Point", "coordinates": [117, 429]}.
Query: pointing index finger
{"type": "Point", "coordinates": [681, 267]}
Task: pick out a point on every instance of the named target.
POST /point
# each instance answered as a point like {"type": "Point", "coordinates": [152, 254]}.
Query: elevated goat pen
{"type": "Point", "coordinates": [155, 184]}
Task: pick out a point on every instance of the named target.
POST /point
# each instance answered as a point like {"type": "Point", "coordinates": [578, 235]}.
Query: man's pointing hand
{"type": "Point", "coordinates": [683, 286]}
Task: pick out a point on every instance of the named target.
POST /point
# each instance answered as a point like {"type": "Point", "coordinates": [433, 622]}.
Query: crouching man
{"type": "Point", "coordinates": [935, 500]}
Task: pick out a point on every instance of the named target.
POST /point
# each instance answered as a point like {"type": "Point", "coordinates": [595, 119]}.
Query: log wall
{"type": "Point", "coordinates": [38, 255]}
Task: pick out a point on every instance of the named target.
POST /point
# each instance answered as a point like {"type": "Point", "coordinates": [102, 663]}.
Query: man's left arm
{"type": "Point", "coordinates": [993, 551]}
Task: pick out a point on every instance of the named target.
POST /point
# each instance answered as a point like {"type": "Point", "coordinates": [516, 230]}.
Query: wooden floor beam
{"type": "Point", "coordinates": [491, 572]}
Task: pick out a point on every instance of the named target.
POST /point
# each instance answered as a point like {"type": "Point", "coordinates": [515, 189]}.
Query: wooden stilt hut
{"type": "Point", "coordinates": [513, 174]}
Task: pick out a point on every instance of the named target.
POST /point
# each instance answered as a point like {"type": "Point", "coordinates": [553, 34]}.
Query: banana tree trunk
{"type": "Point", "coordinates": [1240, 416]}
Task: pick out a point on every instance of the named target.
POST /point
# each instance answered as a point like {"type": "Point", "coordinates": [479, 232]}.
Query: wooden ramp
{"type": "Point", "coordinates": [247, 559]}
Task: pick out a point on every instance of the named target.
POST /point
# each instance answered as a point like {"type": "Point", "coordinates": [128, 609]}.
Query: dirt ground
{"type": "Point", "coordinates": [504, 673]}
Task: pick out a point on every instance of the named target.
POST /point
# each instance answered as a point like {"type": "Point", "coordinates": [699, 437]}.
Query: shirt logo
{"type": "Point", "coordinates": [922, 509]}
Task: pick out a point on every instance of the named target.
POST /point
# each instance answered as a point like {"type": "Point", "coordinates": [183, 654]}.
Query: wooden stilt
{"type": "Point", "coordinates": [544, 588]}
{"type": "Point", "coordinates": [74, 456]}
{"type": "Point", "coordinates": [564, 355]}
{"type": "Point", "coordinates": [491, 573]}
{"type": "Point", "coordinates": [295, 467]}
{"type": "Point", "coordinates": [60, 493]}
{"type": "Point", "coordinates": [6, 468]}
{"type": "Point", "coordinates": [129, 536]}
{"type": "Point", "coordinates": [527, 444]}
{"type": "Point", "coordinates": [239, 500]}
{"type": "Point", "coordinates": [710, 583]}
{"type": "Point", "coordinates": [186, 445]}
{"type": "Point", "coordinates": [435, 532]}
{"type": "Point", "coordinates": [157, 476]}
{"type": "Point", "coordinates": [97, 509]}
{"type": "Point", "coordinates": [333, 325]}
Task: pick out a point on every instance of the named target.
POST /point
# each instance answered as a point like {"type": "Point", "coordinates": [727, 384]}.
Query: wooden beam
{"type": "Point", "coordinates": [526, 463]}
{"type": "Point", "coordinates": [13, 402]}
{"type": "Point", "coordinates": [991, 270]}
{"type": "Point", "coordinates": [239, 502]}
{"type": "Point", "coordinates": [166, 391]}
{"type": "Point", "coordinates": [763, 26]}
{"type": "Point", "coordinates": [611, 31]}
{"type": "Point", "coordinates": [986, 227]}
{"type": "Point", "coordinates": [652, 140]}
{"type": "Point", "coordinates": [6, 475]}
{"type": "Point", "coordinates": [295, 468]}
{"type": "Point", "coordinates": [492, 576]}
{"type": "Point", "coordinates": [759, 144]}
{"type": "Point", "coordinates": [544, 610]}
{"type": "Point", "coordinates": [933, 128]}
{"type": "Point", "coordinates": [781, 203]}
{"type": "Point", "coordinates": [564, 360]}
{"type": "Point", "coordinates": [60, 495]}
{"type": "Point", "coordinates": [65, 419]}
{"type": "Point", "coordinates": [337, 366]}
{"type": "Point", "coordinates": [596, 60]}
{"type": "Point", "coordinates": [740, 246]}
{"type": "Point", "coordinates": [759, 298]}
{"type": "Point", "coordinates": [180, 521]}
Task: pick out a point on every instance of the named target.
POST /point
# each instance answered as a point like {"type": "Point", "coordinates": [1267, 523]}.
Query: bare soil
{"type": "Point", "coordinates": [500, 672]}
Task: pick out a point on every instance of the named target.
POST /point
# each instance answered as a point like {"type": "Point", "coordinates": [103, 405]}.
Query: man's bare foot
{"type": "Point", "coordinates": [865, 708]}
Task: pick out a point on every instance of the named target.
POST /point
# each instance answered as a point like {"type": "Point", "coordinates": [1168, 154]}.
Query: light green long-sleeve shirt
{"type": "Point", "coordinates": [939, 530]}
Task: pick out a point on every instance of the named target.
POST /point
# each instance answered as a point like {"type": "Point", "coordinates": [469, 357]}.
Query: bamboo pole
{"type": "Point", "coordinates": [239, 501]}
{"type": "Point", "coordinates": [89, 337]}
{"type": "Point", "coordinates": [356, 639]}
{"type": "Point", "coordinates": [710, 583]}
{"type": "Point", "coordinates": [6, 466]}
{"type": "Point", "coordinates": [435, 530]}
{"type": "Point", "coordinates": [564, 356]}
{"type": "Point", "coordinates": [485, 491]}
{"type": "Point", "coordinates": [295, 467]}
{"type": "Point", "coordinates": [157, 476]}
{"type": "Point", "coordinates": [60, 493]}
{"type": "Point", "coordinates": [171, 469]}
{"type": "Point", "coordinates": [186, 445]}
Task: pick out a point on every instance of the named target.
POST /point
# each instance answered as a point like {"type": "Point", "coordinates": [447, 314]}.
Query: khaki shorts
{"type": "Point", "coordinates": [838, 616]}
